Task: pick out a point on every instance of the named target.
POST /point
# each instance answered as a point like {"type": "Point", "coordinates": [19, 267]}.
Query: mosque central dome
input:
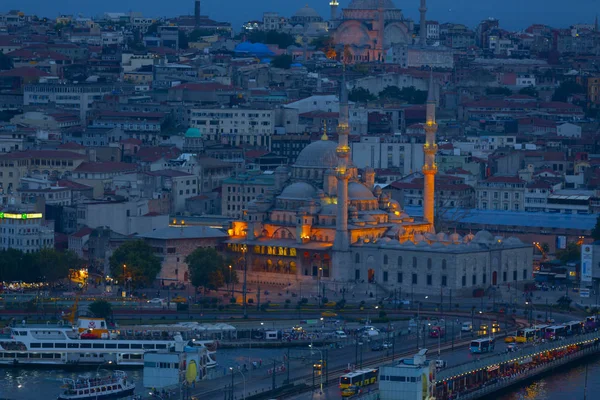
{"type": "Point", "coordinates": [371, 5]}
{"type": "Point", "coordinates": [320, 154]}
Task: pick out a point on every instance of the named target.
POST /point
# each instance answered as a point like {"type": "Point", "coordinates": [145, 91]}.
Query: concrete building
{"type": "Point", "coordinates": [501, 193]}
{"type": "Point", "coordinates": [388, 152]}
{"type": "Point", "coordinates": [235, 126]}
{"type": "Point", "coordinates": [568, 130]}
{"type": "Point", "coordinates": [174, 243]}
{"type": "Point", "coordinates": [180, 186]}
{"type": "Point", "coordinates": [409, 378]}
{"type": "Point", "coordinates": [27, 232]}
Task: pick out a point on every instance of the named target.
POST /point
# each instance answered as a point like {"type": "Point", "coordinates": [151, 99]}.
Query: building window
{"type": "Point", "coordinates": [464, 280]}
{"type": "Point", "coordinates": [429, 280]}
{"type": "Point", "coordinates": [399, 261]}
{"type": "Point", "coordinates": [357, 258]}
{"type": "Point", "coordinates": [414, 279]}
{"type": "Point", "coordinates": [385, 259]}
{"type": "Point", "coordinates": [444, 280]}
{"type": "Point", "coordinates": [399, 277]}
{"type": "Point", "coordinates": [474, 280]}
{"type": "Point", "coordinates": [484, 279]}
{"type": "Point", "coordinates": [414, 262]}
{"type": "Point", "coordinates": [357, 274]}
{"type": "Point", "coordinates": [385, 276]}
{"type": "Point", "coordinates": [515, 275]}
{"type": "Point", "coordinates": [504, 276]}
{"type": "Point", "coordinates": [443, 264]}
{"type": "Point", "coordinates": [429, 263]}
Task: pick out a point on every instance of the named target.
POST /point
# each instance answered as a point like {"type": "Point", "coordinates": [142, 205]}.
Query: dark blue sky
{"type": "Point", "coordinates": [513, 14]}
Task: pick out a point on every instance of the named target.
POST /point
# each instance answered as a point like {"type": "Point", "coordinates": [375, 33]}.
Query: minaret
{"type": "Point", "coordinates": [197, 13]}
{"type": "Point", "coordinates": [423, 28]}
{"type": "Point", "coordinates": [381, 31]}
{"type": "Point", "coordinates": [333, 6]}
{"type": "Point", "coordinates": [430, 149]}
{"type": "Point", "coordinates": [342, 240]}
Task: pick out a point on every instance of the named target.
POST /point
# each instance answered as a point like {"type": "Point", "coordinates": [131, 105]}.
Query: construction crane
{"type": "Point", "coordinates": [72, 314]}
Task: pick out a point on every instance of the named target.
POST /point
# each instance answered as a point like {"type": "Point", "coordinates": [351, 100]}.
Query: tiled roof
{"type": "Point", "coordinates": [109, 166]}
{"type": "Point", "coordinates": [504, 179]}
{"type": "Point", "coordinates": [69, 155]}
{"type": "Point", "coordinates": [82, 232]}
{"type": "Point", "coordinates": [24, 72]}
{"type": "Point", "coordinates": [202, 87]}
{"type": "Point", "coordinates": [151, 154]}
{"type": "Point", "coordinates": [168, 172]}
{"type": "Point", "coordinates": [72, 185]}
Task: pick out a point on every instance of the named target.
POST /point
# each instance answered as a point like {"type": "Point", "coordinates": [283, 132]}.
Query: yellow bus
{"type": "Point", "coordinates": [525, 335]}
{"type": "Point", "coordinates": [361, 377]}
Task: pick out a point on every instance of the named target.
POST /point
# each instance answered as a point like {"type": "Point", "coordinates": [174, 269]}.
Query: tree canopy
{"type": "Point", "coordinates": [282, 40]}
{"type": "Point", "coordinates": [572, 253]}
{"type": "Point", "coordinates": [361, 95]}
{"type": "Point", "coordinates": [100, 309]}
{"type": "Point", "coordinates": [596, 230]}
{"type": "Point", "coordinates": [5, 62]}
{"type": "Point", "coordinates": [282, 61]}
{"type": "Point", "coordinates": [141, 265]}
{"type": "Point", "coordinates": [529, 91]}
{"type": "Point", "coordinates": [567, 89]}
{"type": "Point", "coordinates": [209, 269]}
{"type": "Point", "coordinates": [409, 94]}
{"type": "Point", "coordinates": [498, 90]}
{"type": "Point", "coordinates": [46, 265]}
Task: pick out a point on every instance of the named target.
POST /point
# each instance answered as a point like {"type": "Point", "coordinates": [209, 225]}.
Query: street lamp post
{"type": "Point", "coordinates": [245, 251]}
{"type": "Point", "coordinates": [231, 281]}
{"type": "Point", "coordinates": [231, 369]}
{"type": "Point", "coordinates": [322, 366]}
{"type": "Point", "coordinates": [124, 279]}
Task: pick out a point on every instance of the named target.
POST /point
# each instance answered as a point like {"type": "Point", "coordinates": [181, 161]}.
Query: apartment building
{"type": "Point", "coordinates": [27, 232]}
{"type": "Point", "coordinates": [235, 126]}
{"type": "Point", "coordinates": [388, 152]}
{"type": "Point", "coordinates": [69, 96]}
{"type": "Point", "coordinates": [505, 193]}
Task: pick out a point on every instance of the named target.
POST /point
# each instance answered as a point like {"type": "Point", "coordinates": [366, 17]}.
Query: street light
{"type": "Point", "coordinates": [124, 281]}
{"type": "Point", "coordinates": [231, 281]}
{"type": "Point", "coordinates": [322, 366]}
{"type": "Point", "coordinates": [245, 251]}
{"type": "Point", "coordinates": [244, 380]}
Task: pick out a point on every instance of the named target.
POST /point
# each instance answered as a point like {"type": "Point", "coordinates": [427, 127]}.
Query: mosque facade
{"type": "Point", "coordinates": [331, 225]}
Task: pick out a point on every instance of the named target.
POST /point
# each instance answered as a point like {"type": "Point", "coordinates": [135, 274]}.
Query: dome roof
{"type": "Point", "coordinates": [306, 11]}
{"type": "Point", "coordinates": [193, 133]}
{"type": "Point", "coordinates": [298, 191]}
{"type": "Point", "coordinates": [513, 241]}
{"type": "Point", "coordinates": [358, 191]}
{"type": "Point", "coordinates": [319, 154]}
{"type": "Point", "coordinates": [483, 237]}
{"type": "Point", "coordinates": [371, 4]}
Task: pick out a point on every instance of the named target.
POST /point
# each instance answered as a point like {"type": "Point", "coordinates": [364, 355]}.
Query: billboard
{"type": "Point", "coordinates": [586, 263]}
{"type": "Point", "coordinates": [561, 242]}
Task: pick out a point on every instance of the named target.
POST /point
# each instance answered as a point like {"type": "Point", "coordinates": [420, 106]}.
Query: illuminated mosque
{"type": "Point", "coordinates": [331, 224]}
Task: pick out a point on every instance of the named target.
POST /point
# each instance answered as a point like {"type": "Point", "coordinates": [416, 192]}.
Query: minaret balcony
{"type": "Point", "coordinates": [343, 151]}
{"type": "Point", "coordinates": [430, 148]}
{"type": "Point", "coordinates": [430, 169]}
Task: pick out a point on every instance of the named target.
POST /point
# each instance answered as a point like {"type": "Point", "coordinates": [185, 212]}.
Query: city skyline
{"type": "Point", "coordinates": [515, 15]}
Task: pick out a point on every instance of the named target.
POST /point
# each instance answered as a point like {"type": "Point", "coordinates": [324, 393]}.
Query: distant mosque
{"type": "Point", "coordinates": [326, 222]}
{"type": "Point", "coordinates": [377, 31]}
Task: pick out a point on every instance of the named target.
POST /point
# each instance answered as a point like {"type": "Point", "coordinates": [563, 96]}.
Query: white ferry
{"type": "Point", "coordinates": [115, 386]}
{"type": "Point", "coordinates": [89, 342]}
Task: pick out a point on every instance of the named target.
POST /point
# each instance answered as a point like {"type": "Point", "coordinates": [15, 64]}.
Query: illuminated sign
{"type": "Point", "coordinates": [19, 216]}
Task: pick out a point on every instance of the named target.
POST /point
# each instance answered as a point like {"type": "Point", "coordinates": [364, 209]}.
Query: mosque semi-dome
{"type": "Point", "coordinates": [298, 191]}
{"type": "Point", "coordinates": [320, 154]}
{"type": "Point", "coordinates": [370, 4]}
{"type": "Point", "coordinates": [483, 237]}
{"type": "Point", "coordinates": [358, 191]}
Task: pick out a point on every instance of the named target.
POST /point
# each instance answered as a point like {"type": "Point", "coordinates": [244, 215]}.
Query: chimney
{"type": "Point", "coordinates": [197, 13]}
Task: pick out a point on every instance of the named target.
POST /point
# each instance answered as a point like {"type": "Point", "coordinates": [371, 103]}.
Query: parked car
{"type": "Point", "coordinates": [341, 334]}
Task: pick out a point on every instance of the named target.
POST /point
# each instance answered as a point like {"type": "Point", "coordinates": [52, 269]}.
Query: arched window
{"type": "Point", "coordinates": [414, 262]}
{"type": "Point", "coordinates": [400, 261]}
{"type": "Point", "coordinates": [357, 258]}
{"type": "Point", "coordinates": [385, 259]}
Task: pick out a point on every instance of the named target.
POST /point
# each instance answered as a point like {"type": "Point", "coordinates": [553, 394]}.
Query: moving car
{"type": "Point", "coordinates": [328, 314]}
{"type": "Point", "coordinates": [319, 365]}
{"type": "Point", "coordinates": [441, 364]}
{"type": "Point", "coordinates": [341, 334]}
{"type": "Point", "coordinates": [179, 299]}
{"type": "Point", "coordinates": [157, 301]}
{"type": "Point", "coordinates": [466, 327]}
{"type": "Point", "coordinates": [351, 391]}
{"type": "Point", "coordinates": [512, 347]}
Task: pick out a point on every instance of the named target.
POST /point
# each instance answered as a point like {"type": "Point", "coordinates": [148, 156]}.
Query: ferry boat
{"type": "Point", "coordinates": [115, 386]}
{"type": "Point", "coordinates": [90, 342]}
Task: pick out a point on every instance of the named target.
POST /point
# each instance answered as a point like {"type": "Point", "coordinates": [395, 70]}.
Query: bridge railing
{"type": "Point", "coordinates": [505, 382]}
{"type": "Point", "coordinates": [520, 354]}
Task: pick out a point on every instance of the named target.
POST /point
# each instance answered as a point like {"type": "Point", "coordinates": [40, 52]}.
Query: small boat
{"type": "Point", "coordinates": [114, 386]}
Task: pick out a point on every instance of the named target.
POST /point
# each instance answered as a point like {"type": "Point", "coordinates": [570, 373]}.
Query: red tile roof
{"type": "Point", "coordinates": [109, 166]}
{"type": "Point", "coordinates": [151, 154]}
{"type": "Point", "coordinates": [24, 72]}
{"type": "Point", "coordinates": [69, 155]}
{"type": "Point", "coordinates": [131, 141]}
{"type": "Point", "coordinates": [72, 185]}
{"type": "Point", "coordinates": [71, 146]}
{"type": "Point", "coordinates": [82, 232]}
